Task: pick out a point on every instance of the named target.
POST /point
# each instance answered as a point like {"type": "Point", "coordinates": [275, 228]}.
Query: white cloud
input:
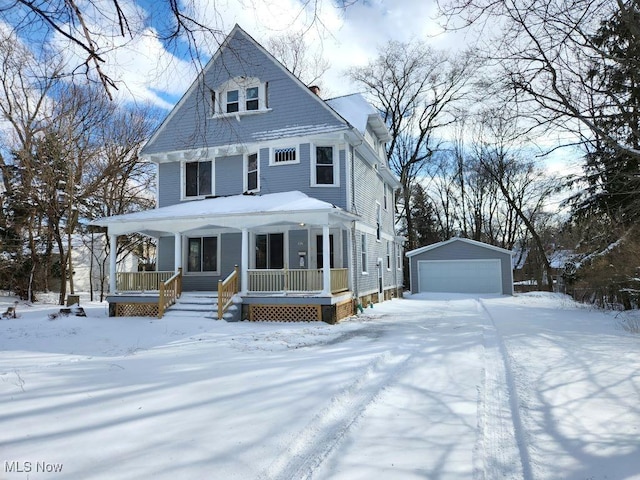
{"type": "Point", "coordinates": [146, 71]}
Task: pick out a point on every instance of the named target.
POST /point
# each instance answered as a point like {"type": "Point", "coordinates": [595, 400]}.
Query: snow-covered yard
{"type": "Point", "coordinates": [428, 387]}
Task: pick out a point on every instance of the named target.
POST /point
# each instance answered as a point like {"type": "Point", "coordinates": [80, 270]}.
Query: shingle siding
{"type": "Point", "coordinates": [292, 108]}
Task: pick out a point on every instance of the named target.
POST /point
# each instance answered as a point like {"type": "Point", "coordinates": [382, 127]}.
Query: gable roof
{"type": "Point", "coordinates": [418, 251]}
{"type": "Point", "coordinates": [238, 33]}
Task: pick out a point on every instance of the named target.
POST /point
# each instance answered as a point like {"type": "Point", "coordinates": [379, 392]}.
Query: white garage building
{"type": "Point", "coordinates": [461, 265]}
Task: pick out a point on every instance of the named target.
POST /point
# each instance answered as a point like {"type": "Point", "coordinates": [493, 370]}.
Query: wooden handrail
{"type": "Point", "coordinates": [170, 290]}
{"type": "Point", "coordinates": [227, 288]}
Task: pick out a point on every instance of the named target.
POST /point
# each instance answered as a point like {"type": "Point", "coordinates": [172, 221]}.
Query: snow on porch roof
{"type": "Point", "coordinates": [208, 209]}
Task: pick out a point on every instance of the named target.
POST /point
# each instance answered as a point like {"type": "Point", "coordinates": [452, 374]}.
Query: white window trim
{"type": "Point", "coordinates": [378, 222]}
{"type": "Point", "coordinates": [336, 165]}
{"type": "Point", "coordinates": [364, 254]}
{"type": "Point", "coordinates": [272, 155]}
{"type": "Point", "coordinates": [241, 84]}
{"type": "Point", "coordinates": [388, 256]}
{"type": "Point", "coordinates": [385, 197]}
{"type": "Point", "coordinates": [398, 256]}
{"type": "Point", "coordinates": [183, 179]}
{"type": "Point", "coordinates": [245, 173]}
{"type": "Point", "coordinates": [185, 256]}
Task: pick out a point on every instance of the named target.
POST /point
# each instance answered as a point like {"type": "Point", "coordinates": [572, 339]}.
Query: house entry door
{"type": "Point", "coordinates": [319, 255]}
{"type": "Point", "coordinates": [270, 251]}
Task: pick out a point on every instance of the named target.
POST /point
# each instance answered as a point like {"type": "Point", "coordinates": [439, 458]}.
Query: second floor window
{"type": "Point", "coordinates": [281, 156]}
{"type": "Point", "coordinates": [252, 175]}
{"type": "Point", "coordinates": [324, 168]}
{"type": "Point", "coordinates": [378, 222]}
{"type": "Point", "coordinates": [198, 176]}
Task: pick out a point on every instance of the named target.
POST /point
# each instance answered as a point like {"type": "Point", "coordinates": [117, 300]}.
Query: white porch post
{"type": "Point", "coordinates": [177, 252]}
{"type": "Point", "coordinates": [244, 266]}
{"type": "Point", "coordinates": [113, 253]}
{"type": "Point", "coordinates": [326, 261]}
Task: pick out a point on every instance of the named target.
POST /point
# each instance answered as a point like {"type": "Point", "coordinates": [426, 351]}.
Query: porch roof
{"type": "Point", "coordinates": [230, 212]}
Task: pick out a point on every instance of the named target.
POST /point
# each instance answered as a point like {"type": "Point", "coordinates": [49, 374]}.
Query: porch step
{"type": "Point", "coordinates": [195, 304]}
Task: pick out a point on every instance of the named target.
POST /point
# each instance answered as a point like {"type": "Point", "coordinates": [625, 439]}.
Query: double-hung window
{"type": "Point", "coordinates": [252, 176]}
{"type": "Point", "coordinates": [324, 166]}
{"type": "Point", "coordinates": [364, 257]}
{"type": "Point", "coordinates": [202, 255]}
{"type": "Point", "coordinates": [198, 178]}
{"type": "Point", "coordinates": [252, 100]}
{"type": "Point", "coordinates": [239, 95]}
{"type": "Point", "coordinates": [233, 101]}
{"type": "Point", "coordinates": [378, 222]}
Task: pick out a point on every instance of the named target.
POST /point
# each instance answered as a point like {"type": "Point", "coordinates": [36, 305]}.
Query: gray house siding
{"type": "Point", "coordinates": [463, 251]}
{"type": "Point", "coordinates": [292, 108]}
{"type": "Point", "coordinates": [228, 173]}
{"type": "Point", "coordinates": [169, 188]}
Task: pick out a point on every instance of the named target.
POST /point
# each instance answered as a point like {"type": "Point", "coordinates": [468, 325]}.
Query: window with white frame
{"type": "Point", "coordinates": [378, 222]}
{"type": "Point", "coordinates": [364, 258]}
{"type": "Point", "coordinates": [198, 178]}
{"type": "Point", "coordinates": [388, 256]}
{"type": "Point", "coordinates": [385, 196]}
{"type": "Point", "coordinates": [324, 165]}
{"type": "Point", "coordinates": [252, 173]}
{"type": "Point", "coordinates": [202, 254]}
{"type": "Point", "coordinates": [240, 95]}
{"type": "Point", "coordinates": [398, 257]}
{"type": "Point", "coordinates": [284, 156]}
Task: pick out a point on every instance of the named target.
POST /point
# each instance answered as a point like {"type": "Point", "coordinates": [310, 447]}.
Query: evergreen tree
{"type": "Point", "coordinates": [613, 174]}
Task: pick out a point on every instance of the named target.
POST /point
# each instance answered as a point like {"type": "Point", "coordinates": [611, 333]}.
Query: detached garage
{"type": "Point", "coordinates": [461, 265]}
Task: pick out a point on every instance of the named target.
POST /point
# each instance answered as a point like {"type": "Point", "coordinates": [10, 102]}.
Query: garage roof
{"type": "Point", "coordinates": [420, 250]}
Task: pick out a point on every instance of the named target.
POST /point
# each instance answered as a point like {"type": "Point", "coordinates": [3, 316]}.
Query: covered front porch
{"type": "Point", "coordinates": [272, 249]}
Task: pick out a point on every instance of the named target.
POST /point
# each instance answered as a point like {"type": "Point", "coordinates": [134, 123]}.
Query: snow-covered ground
{"type": "Point", "coordinates": [443, 387]}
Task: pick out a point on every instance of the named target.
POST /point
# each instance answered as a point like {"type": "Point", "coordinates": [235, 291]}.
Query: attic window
{"type": "Point", "coordinates": [232, 101]}
{"type": "Point", "coordinates": [240, 95]}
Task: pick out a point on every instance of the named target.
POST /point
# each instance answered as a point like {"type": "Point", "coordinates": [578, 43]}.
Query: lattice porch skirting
{"type": "Point", "coordinates": [137, 310]}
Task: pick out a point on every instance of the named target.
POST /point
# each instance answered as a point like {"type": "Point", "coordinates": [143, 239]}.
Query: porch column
{"type": "Point", "coordinates": [113, 253]}
{"type": "Point", "coordinates": [326, 261]}
{"type": "Point", "coordinates": [177, 252]}
{"type": "Point", "coordinates": [244, 263]}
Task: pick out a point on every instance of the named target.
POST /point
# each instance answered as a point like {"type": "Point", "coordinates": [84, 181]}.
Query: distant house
{"type": "Point", "coordinates": [528, 268]}
{"type": "Point", "coordinates": [255, 169]}
{"type": "Point", "coordinates": [461, 265]}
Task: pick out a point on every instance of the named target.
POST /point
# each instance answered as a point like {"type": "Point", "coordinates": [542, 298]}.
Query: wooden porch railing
{"type": "Point", "coordinates": [141, 281]}
{"type": "Point", "coordinates": [170, 290]}
{"type": "Point", "coordinates": [227, 288]}
{"type": "Point", "coordinates": [296, 280]}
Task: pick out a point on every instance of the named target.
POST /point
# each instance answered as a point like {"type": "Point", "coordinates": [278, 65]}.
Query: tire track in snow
{"type": "Point", "coordinates": [502, 446]}
{"type": "Point", "coordinates": [328, 427]}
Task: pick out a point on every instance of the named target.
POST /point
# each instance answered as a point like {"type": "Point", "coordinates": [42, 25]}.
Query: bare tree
{"type": "Point", "coordinates": [548, 53]}
{"type": "Point", "coordinates": [415, 88]}
{"type": "Point", "coordinates": [94, 27]}
{"type": "Point", "coordinates": [292, 50]}
{"type": "Point", "coordinates": [523, 186]}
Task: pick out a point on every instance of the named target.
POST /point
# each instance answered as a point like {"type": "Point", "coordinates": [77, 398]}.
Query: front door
{"type": "Point", "coordinates": [319, 258]}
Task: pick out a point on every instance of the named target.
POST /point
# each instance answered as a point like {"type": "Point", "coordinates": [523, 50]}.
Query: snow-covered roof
{"type": "Point", "coordinates": [457, 239]}
{"type": "Point", "coordinates": [358, 112]}
{"type": "Point", "coordinates": [234, 211]}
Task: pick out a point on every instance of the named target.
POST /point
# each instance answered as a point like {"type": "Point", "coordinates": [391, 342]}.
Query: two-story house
{"type": "Point", "coordinates": [255, 169]}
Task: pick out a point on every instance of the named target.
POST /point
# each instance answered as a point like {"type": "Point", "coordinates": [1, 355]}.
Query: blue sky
{"type": "Point", "coordinates": [148, 72]}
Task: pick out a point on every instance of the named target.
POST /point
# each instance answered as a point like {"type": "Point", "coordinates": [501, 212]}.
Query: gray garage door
{"type": "Point", "coordinates": [460, 276]}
